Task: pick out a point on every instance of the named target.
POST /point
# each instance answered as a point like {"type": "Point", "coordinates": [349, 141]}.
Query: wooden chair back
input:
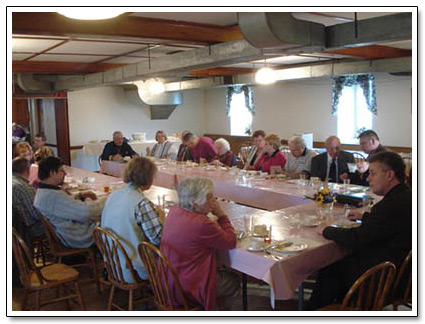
{"type": "Point", "coordinates": [158, 266]}
{"type": "Point", "coordinates": [403, 283]}
{"type": "Point", "coordinates": [112, 251]}
{"type": "Point", "coordinates": [370, 290]}
{"type": "Point", "coordinates": [24, 260]}
{"type": "Point", "coordinates": [56, 246]}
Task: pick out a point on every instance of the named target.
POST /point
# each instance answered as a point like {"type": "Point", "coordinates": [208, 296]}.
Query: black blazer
{"type": "Point", "coordinates": [385, 233]}
{"type": "Point", "coordinates": [319, 164]}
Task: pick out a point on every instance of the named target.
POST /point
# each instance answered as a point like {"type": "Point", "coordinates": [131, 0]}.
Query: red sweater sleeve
{"type": "Point", "coordinates": [220, 235]}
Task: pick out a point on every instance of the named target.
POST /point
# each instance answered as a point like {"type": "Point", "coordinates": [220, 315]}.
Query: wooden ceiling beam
{"type": "Point", "coordinates": [374, 52]}
{"type": "Point", "coordinates": [61, 67]}
{"type": "Point", "coordinates": [54, 24]}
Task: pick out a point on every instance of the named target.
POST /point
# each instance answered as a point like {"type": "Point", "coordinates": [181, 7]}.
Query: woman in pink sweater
{"type": "Point", "coordinates": [273, 160]}
{"type": "Point", "coordinates": [190, 238]}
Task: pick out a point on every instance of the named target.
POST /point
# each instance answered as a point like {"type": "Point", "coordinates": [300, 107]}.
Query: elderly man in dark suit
{"type": "Point", "coordinates": [332, 164]}
{"type": "Point", "coordinates": [384, 235]}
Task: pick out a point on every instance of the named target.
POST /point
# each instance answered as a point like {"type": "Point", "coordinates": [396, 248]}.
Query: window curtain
{"type": "Point", "coordinates": [249, 98]}
{"type": "Point", "coordinates": [365, 81]}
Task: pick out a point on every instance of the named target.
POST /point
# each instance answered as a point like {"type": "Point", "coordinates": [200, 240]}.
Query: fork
{"type": "Point", "coordinates": [277, 258]}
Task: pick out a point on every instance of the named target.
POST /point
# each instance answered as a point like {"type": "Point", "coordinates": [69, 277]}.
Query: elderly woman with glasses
{"type": "Point", "coordinates": [190, 240]}
{"type": "Point", "coordinates": [273, 160]}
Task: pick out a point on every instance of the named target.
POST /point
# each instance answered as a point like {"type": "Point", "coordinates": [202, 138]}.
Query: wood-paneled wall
{"type": "Point", "coordinates": [237, 141]}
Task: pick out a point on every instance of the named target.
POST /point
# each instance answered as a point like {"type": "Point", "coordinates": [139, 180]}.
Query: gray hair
{"type": "Point", "coordinates": [223, 142]}
{"type": "Point", "coordinates": [194, 190]}
{"type": "Point", "coordinates": [298, 141]}
{"type": "Point", "coordinates": [116, 133]}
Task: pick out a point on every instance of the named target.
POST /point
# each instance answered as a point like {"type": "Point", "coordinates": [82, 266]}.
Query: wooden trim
{"type": "Point", "coordinates": [62, 130]}
{"type": "Point", "coordinates": [374, 52]}
{"type": "Point", "coordinates": [50, 24]}
{"type": "Point", "coordinates": [237, 141]}
{"type": "Point", "coordinates": [353, 147]}
{"type": "Point", "coordinates": [77, 147]}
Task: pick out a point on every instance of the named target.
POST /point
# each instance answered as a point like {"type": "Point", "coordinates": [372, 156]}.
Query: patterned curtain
{"type": "Point", "coordinates": [366, 81]}
{"type": "Point", "coordinates": [249, 98]}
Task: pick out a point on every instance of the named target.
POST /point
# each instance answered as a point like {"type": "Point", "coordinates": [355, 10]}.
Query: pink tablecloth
{"type": "Point", "coordinates": [251, 191]}
{"type": "Point", "coordinates": [283, 274]}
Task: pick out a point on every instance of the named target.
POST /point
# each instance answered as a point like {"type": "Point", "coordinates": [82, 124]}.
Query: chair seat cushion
{"type": "Point", "coordinates": [55, 274]}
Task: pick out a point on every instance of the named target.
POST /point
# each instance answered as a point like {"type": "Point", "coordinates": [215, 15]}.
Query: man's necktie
{"type": "Point", "coordinates": [332, 172]}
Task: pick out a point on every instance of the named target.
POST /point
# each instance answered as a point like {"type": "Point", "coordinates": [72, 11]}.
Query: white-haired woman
{"type": "Point", "coordinates": [190, 240]}
{"type": "Point", "coordinates": [225, 156]}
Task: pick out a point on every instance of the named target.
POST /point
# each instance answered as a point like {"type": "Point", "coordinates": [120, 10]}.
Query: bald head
{"type": "Point", "coordinates": [333, 146]}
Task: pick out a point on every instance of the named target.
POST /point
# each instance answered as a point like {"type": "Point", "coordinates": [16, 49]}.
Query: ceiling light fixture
{"type": "Point", "coordinates": [156, 87]}
{"type": "Point", "coordinates": [265, 75]}
{"type": "Point", "coordinates": [90, 13]}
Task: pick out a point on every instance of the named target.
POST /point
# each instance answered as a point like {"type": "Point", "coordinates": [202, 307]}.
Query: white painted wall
{"type": "Point", "coordinates": [94, 114]}
{"type": "Point", "coordinates": [304, 106]}
{"type": "Point", "coordinates": [284, 108]}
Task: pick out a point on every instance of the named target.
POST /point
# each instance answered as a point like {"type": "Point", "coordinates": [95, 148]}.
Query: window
{"type": "Point", "coordinates": [353, 115]}
{"type": "Point", "coordinates": [240, 116]}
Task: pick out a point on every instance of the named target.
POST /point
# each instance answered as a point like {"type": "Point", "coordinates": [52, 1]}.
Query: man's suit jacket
{"type": "Point", "coordinates": [319, 164]}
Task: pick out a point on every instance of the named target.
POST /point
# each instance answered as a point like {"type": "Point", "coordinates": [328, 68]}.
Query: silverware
{"type": "Point", "coordinates": [266, 250]}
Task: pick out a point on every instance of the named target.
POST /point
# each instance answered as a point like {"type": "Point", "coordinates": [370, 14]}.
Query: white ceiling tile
{"type": "Point", "coordinates": [83, 47]}
{"type": "Point", "coordinates": [68, 58]}
{"type": "Point", "coordinates": [32, 45]}
{"type": "Point", "coordinates": [20, 57]}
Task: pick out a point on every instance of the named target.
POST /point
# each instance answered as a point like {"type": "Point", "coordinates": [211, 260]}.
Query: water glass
{"type": "Point", "coordinates": [247, 223]}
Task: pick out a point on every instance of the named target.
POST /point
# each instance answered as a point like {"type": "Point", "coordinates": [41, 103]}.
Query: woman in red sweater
{"type": "Point", "coordinates": [273, 160]}
{"type": "Point", "coordinates": [190, 239]}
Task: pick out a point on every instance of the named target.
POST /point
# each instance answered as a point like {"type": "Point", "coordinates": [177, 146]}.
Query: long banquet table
{"type": "Point", "coordinates": [241, 187]}
{"type": "Point", "coordinates": [283, 272]}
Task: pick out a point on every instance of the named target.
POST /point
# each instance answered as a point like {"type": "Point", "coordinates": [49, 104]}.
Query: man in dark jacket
{"type": "Point", "coordinates": [117, 149]}
{"type": "Point", "coordinates": [385, 233]}
{"type": "Point", "coordinates": [369, 141]}
{"type": "Point", "coordinates": [332, 163]}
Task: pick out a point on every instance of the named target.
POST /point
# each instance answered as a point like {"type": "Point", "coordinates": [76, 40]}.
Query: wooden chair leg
{"type": "Point", "coordinates": [37, 299]}
{"type": "Point", "coordinates": [80, 296]}
{"type": "Point", "coordinates": [130, 299]}
{"type": "Point", "coordinates": [111, 298]}
{"type": "Point", "coordinates": [94, 267]}
{"type": "Point", "coordinates": [25, 299]}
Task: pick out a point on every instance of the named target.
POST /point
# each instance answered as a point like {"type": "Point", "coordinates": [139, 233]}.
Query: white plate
{"type": "Point", "coordinates": [251, 249]}
{"type": "Point", "coordinates": [294, 248]}
{"type": "Point", "coordinates": [346, 225]}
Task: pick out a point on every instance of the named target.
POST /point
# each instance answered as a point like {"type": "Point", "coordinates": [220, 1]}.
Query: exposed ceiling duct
{"type": "Point", "coordinates": [281, 30]}
{"type": "Point", "coordinates": [272, 34]}
{"type": "Point", "coordinates": [29, 84]}
{"type": "Point", "coordinates": [161, 105]}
